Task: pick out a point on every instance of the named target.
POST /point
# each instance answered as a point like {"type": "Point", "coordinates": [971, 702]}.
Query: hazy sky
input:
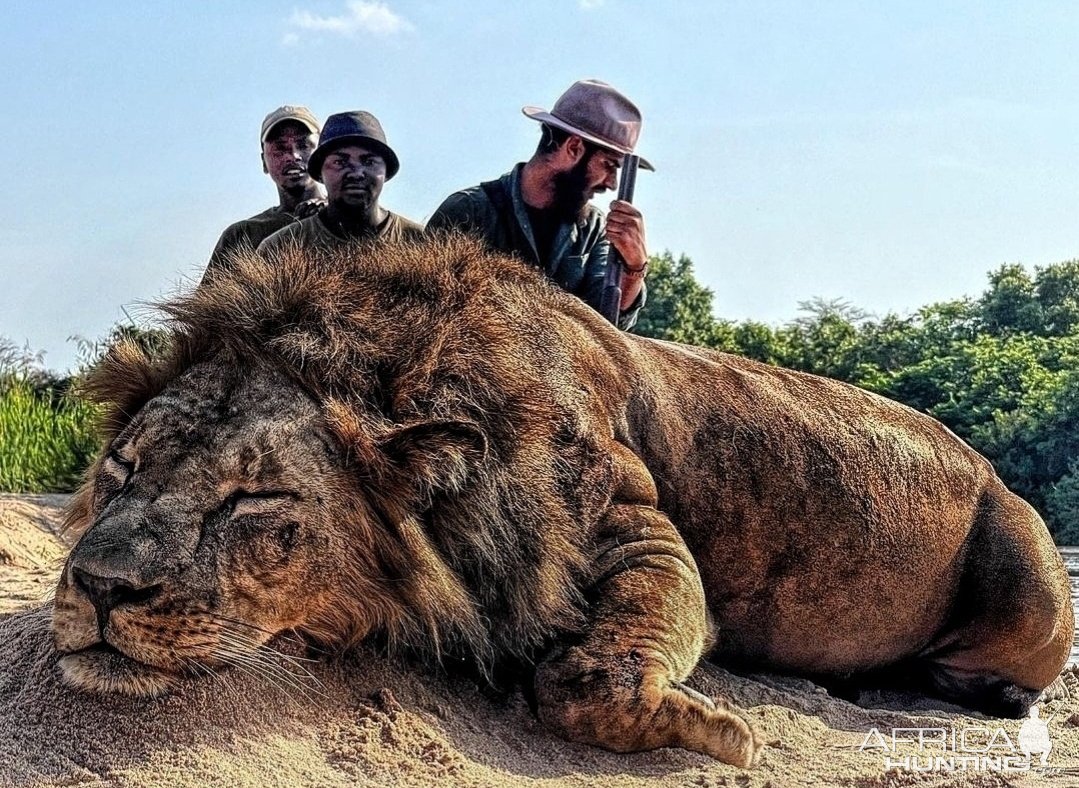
{"type": "Point", "coordinates": [887, 153]}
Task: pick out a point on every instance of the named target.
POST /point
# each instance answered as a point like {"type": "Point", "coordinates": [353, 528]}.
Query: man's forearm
{"type": "Point", "coordinates": [631, 283]}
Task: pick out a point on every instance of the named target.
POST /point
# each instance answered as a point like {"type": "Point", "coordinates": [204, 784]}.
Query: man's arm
{"type": "Point", "coordinates": [455, 213]}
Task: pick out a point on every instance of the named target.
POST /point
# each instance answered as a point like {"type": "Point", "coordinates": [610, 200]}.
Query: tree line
{"type": "Point", "coordinates": [999, 370]}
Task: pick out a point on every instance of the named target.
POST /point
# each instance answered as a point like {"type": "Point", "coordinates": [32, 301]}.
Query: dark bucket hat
{"type": "Point", "coordinates": [595, 112]}
{"type": "Point", "coordinates": [346, 128]}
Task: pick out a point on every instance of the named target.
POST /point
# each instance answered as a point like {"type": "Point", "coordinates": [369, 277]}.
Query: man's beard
{"type": "Point", "coordinates": [571, 192]}
{"type": "Point", "coordinates": [298, 189]}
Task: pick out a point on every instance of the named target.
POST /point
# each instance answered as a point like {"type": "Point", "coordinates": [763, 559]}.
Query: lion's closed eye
{"type": "Point", "coordinates": [117, 466]}
{"type": "Point", "coordinates": [116, 472]}
{"type": "Point", "coordinates": [245, 503]}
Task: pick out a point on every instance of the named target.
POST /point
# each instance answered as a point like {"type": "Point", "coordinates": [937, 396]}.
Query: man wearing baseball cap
{"type": "Point", "coordinates": [288, 139]}
{"type": "Point", "coordinates": [540, 210]}
{"type": "Point", "coordinates": [353, 161]}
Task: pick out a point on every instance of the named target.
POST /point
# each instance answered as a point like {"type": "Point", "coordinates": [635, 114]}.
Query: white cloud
{"type": "Point", "coordinates": [588, 5]}
{"type": "Point", "coordinates": [290, 39]}
{"type": "Point", "coordinates": [362, 16]}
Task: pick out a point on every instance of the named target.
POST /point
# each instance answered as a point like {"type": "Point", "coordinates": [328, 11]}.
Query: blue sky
{"type": "Point", "coordinates": [886, 153]}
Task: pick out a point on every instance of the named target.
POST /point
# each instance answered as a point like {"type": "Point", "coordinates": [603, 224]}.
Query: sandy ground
{"type": "Point", "coordinates": [362, 720]}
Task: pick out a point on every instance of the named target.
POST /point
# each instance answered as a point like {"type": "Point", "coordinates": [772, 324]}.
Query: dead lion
{"type": "Point", "coordinates": [431, 443]}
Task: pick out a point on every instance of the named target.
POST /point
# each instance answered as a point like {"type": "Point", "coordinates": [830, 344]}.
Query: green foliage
{"type": "Point", "coordinates": [824, 339]}
{"type": "Point", "coordinates": [679, 308]}
{"type": "Point", "coordinates": [47, 436]}
{"type": "Point", "coordinates": [1046, 304]}
{"type": "Point", "coordinates": [1010, 305]}
{"type": "Point", "coordinates": [761, 342]}
{"type": "Point", "coordinates": [45, 443]}
{"type": "Point", "coordinates": [1062, 504]}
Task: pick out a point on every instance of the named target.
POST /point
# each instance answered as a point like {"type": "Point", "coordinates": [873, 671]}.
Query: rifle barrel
{"type": "Point", "coordinates": [612, 292]}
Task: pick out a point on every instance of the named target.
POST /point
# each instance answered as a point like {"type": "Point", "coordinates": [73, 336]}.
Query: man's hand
{"type": "Point", "coordinates": [625, 231]}
{"type": "Point", "coordinates": [309, 207]}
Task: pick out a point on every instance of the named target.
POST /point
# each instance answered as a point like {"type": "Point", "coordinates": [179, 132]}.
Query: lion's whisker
{"type": "Point", "coordinates": [223, 678]}
{"type": "Point", "coordinates": [301, 670]}
{"type": "Point", "coordinates": [282, 680]}
{"type": "Point", "coordinates": [292, 635]}
{"type": "Point", "coordinates": [269, 650]}
{"type": "Point", "coordinates": [254, 673]}
{"type": "Point", "coordinates": [247, 625]}
{"type": "Point", "coordinates": [268, 668]}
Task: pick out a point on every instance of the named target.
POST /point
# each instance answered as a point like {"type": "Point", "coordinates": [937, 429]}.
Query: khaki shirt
{"type": "Point", "coordinates": [247, 232]}
{"type": "Point", "coordinates": [313, 232]}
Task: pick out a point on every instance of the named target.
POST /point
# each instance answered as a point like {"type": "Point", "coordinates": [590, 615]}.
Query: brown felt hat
{"type": "Point", "coordinates": [597, 113]}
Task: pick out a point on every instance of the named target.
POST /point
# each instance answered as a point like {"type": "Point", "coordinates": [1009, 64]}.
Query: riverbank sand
{"type": "Point", "coordinates": [363, 720]}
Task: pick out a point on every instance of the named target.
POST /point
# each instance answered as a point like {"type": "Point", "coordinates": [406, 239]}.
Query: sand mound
{"type": "Point", "coordinates": [31, 551]}
{"type": "Point", "coordinates": [29, 538]}
{"type": "Point", "coordinates": [363, 720]}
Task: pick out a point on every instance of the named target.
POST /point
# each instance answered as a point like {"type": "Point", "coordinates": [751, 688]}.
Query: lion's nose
{"type": "Point", "coordinates": [106, 593]}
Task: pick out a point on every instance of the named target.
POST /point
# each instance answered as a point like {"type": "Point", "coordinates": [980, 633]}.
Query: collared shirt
{"type": "Point", "coordinates": [578, 258]}
{"type": "Point", "coordinates": [246, 232]}
{"type": "Point", "coordinates": [314, 231]}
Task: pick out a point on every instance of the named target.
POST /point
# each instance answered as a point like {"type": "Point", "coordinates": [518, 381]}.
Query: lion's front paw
{"type": "Point", "coordinates": [726, 735]}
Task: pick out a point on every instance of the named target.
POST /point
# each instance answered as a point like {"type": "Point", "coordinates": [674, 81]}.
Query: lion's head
{"type": "Point", "coordinates": [209, 513]}
{"type": "Point", "coordinates": [303, 459]}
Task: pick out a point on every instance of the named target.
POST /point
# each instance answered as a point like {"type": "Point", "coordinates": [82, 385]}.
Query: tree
{"type": "Point", "coordinates": [761, 342]}
{"type": "Point", "coordinates": [1057, 292]}
{"type": "Point", "coordinates": [1010, 305]}
{"type": "Point", "coordinates": [1062, 506]}
{"type": "Point", "coordinates": [679, 308]}
{"type": "Point", "coordinates": [824, 339]}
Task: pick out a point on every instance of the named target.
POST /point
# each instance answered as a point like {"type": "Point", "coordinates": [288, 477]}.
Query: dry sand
{"type": "Point", "coordinates": [362, 720]}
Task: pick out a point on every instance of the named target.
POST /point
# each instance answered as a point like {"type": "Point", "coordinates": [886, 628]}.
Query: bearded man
{"type": "Point", "coordinates": [540, 210]}
{"type": "Point", "coordinates": [288, 139]}
{"type": "Point", "coordinates": [353, 161]}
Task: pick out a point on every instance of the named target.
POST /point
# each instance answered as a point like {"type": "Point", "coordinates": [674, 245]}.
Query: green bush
{"type": "Point", "coordinates": [46, 438]}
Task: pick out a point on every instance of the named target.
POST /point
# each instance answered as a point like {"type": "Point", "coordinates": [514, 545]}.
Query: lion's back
{"type": "Point", "coordinates": [807, 503]}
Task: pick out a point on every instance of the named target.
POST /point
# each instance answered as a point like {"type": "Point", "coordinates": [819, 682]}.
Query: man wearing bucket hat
{"type": "Point", "coordinates": [353, 161]}
{"type": "Point", "coordinates": [540, 210]}
{"type": "Point", "coordinates": [287, 139]}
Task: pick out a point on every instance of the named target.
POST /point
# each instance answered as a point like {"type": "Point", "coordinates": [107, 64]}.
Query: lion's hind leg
{"type": "Point", "coordinates": [1011, 630]}
{"type": "Point", "coordinates": [617, 685]}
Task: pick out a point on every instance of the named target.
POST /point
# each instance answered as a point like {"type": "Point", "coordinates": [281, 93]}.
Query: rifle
{"type": "Point", "coordinates": [610, 305]}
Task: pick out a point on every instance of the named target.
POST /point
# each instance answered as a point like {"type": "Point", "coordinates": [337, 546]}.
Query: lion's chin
{"type": "Point", "coordinates": [103, 669]}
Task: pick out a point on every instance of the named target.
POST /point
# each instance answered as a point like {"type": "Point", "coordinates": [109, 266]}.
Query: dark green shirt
{"type": "Point", "coordinates": [577, 260]}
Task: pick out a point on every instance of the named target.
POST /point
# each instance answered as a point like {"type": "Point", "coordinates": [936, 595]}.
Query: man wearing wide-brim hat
{"type": "Point", "coordinates": [354, 161]}
{"type": "Point", "coordinates": [287, 139]}
{"type": "Point", "coordinates": [540, 210]}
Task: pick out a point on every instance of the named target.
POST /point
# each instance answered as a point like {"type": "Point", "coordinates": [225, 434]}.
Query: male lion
{"type": "Point", "coordinates": [431, 443]}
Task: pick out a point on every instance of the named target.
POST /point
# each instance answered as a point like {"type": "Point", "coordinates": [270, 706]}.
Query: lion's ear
{"type": "Point", "coordinates": [434, 456]}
